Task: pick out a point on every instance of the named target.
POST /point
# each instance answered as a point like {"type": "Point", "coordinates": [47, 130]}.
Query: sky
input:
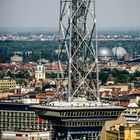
{"type": "Point", "coordinates": [45, 13]}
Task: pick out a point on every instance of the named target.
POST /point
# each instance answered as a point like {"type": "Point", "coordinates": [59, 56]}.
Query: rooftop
{"type": "Point", "coordinates": [77, 105]}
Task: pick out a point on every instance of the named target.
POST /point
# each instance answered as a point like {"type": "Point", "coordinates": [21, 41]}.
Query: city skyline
{"type": "Point", "coordinates": [45, 14]}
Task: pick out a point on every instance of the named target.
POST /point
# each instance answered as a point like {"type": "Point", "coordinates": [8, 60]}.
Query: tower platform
{"type": "Point", "coordinates": [77, 120]}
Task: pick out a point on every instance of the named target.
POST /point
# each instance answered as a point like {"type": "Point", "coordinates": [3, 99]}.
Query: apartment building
{"type": "Point", "coordinates": [7, 85]}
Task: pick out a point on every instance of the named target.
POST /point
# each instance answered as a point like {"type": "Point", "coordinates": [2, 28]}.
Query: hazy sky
{"type": "Point", "coordinates": [45, 13]}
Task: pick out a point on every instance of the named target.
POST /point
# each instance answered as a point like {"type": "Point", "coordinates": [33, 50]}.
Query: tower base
{"type": "Point", "coordinates": [75, 121]}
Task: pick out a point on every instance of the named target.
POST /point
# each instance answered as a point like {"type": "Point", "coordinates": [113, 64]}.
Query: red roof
{"type": "Point", "coordinates": [123, 104]}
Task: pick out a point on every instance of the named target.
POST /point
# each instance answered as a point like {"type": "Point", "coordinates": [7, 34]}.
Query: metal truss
{"type": "Point", "coordinates": [78, 48]}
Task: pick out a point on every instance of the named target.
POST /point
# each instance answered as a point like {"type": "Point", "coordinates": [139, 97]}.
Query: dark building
{"type": "Point", "coordinates": [19, 117]}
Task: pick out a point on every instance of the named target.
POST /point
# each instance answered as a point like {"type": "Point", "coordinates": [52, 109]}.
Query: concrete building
{"type": "Point", "coordinates": [124, 132]}
{"type": "Point", "coordinates": [132, 132]}
{"type": "Point", "coordinates": [127, 126]}
{"type": "Point", "coordinates": [19, 117]}
{"type": "Point", "coordinates": [131, 113]}
{"type": "Point", "coordinates": [7, 85]}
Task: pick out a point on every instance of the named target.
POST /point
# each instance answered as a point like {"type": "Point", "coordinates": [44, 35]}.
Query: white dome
{"type": "Point", "coordinates": [119, 52]}
{"type": "Point", "coordinates": [105, 53]}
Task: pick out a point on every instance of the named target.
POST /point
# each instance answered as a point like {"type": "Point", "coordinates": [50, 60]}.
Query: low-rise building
{"type": "Point", "coordinates": [124, 132]}
{"type": "Point", "coordinates": [7, 85]}
{"type": "Point", "coordinates": [16, 58]}
{"type": "Point", "coordinates": [126, 127]}
{"type": "Point", "coordinates": [19, 117]}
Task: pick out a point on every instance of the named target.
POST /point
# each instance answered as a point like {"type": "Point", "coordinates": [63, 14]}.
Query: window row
{"type": "Point", "coordinates": [73, 124]}
{"type": "Point", "coordinates": [14, 114]}
{"type": "Point", "coordinates": [88, 114]}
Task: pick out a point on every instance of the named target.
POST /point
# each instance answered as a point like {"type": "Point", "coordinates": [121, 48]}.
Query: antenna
{"type": "Point", "coordinates": [78, 38]}
{"type": "Point", "coordinates": [77, 60]}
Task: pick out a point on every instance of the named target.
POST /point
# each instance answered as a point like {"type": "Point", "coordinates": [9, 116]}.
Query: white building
{"type": "Point", "coordinates": [16, 58]}
{"type": "Point", "coordinates": [131, 113]}
{"type": "Point", "coordinates": [40, 72]}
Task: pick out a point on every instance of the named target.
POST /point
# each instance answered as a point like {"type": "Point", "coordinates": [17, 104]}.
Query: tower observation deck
{"type": "Point", "coordinates": [82, 114]}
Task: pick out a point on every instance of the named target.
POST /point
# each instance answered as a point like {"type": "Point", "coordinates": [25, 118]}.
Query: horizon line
{"type": "Point", "coordinates": [21, 29]}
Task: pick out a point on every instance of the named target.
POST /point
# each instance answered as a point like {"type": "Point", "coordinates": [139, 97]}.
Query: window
{"type": "Point", "coordinates": [138, 134]}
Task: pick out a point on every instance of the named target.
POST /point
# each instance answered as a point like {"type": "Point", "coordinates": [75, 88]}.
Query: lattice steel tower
{"type": "Point", "coordinates": [79, 117]}
{"type": "Point", "coordinates": [78, 38]}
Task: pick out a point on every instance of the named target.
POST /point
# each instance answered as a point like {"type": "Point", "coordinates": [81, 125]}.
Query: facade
{"type": "Point", "coordinates": [132, 132]}
{"type": "Point", "coordinates": [122, 129]}
{"type": "Point", "coordinates": [125, 132]}
{"type": "Point", "coordinates": [7, 85]}
{"type": "Point", "coordinates": [110, 130]}
{"type": "Point", "coordinates": [131, 113]}
{"type": "Point", "coordinates": [111, 135]}
{"type": "Point", "coordinates": [29, 135]}
{"type": "Point", "coordinates": [16, 116]}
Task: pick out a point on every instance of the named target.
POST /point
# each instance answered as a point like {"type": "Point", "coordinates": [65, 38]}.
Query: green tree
{"type": "Point", "coordinates": [123, 78]}
{"type": "Point", "coordinates": [38, 89]}
{"type": "Point", "coordinates": [137, 73]}
{"type": "Point", "coordinates": [132, 78]}
{"type": "Point", "coordinates": [51, 75]}
{"type": "Point", "coordinates": [103, 76]}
